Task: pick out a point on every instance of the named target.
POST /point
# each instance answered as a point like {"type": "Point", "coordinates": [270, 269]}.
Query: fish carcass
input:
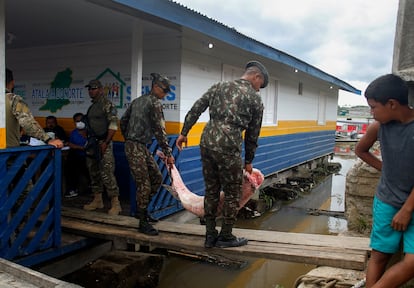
{"type": "Point", "coordinates": [195, 203]}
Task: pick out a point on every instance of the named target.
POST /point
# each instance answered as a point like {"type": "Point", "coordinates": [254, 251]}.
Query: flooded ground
{"type": "Point", "coordinates": [329, 195]}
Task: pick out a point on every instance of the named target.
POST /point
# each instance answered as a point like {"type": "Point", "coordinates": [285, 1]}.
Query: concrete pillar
{"type": "Point", "coordinates": [403, 58]}
{"type": "Point", "coordinates": [360, 187]}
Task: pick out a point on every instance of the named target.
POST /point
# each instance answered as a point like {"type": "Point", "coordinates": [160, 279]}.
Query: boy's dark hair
{"type": "Point", "coordinates": [51, 117]}
{"type": "Point", "coordinates": [9, 75]}
{"type": "Point", "coordinates": [388, 87]}
{"type": "Point", "coordinates": [77, 114]}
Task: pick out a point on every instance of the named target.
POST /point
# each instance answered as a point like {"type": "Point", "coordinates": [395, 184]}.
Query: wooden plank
{"type": "Point", "coordinates": [262, 248]}
{"type": "Point", "coordinates": [21, 276]}
{"type": "Point", "coordinates": [266, 245]}
{"type": "Point", "coordinates": [345, 242]}
{"type": "Point", "coordinates": [99, 217]}
{"type": "Point", "coordinates": [295, 253]}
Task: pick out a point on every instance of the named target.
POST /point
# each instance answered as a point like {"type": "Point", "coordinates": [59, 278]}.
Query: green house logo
{"type": "Point", "coordinates": [113, 86]}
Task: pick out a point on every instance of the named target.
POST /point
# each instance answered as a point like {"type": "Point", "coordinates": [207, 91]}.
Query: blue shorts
{"type": "Point", "coordinates": [383, 237]}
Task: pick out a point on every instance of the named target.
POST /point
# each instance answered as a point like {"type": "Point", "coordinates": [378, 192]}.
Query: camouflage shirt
{"type": "Point", "coordinates": [143, 119]}
{"type": "Point", "coordinates": [102, 116]}
{"type": "Point", "coordinates": [234, 107]}
{"type": "Point", "coordinates": [18, 115]}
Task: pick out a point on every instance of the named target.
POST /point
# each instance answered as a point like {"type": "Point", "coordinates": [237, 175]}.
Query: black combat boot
{"type": "Point", "coordinates": [211, 233]}
{"type": "Point", "coordinates": [151, 219]}
{"type": "Point", "coordinates": [227, 239]}
{"type": "Point", "coordinates": [144, 225]}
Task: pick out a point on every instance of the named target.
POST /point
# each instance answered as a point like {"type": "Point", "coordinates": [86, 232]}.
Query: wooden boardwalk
{"type": "Point", "coordinates": [321, 250]}
{"type": "Point", "coordinates": [13, 275]}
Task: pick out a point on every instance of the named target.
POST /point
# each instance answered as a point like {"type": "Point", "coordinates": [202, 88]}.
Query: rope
{"type": "Point", "coordinates": [360, 284]}
{"type": "Point", "coordinates": [322, 282]}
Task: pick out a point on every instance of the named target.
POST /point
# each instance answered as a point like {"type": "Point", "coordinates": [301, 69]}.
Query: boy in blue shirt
{"type": "Point", "coordinates": [393, 204]}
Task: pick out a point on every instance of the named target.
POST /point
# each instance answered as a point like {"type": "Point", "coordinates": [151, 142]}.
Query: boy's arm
{"type": "Point", "coordinates": [366, 142]}
{"type": "Point", "coordinates": [403, 216]}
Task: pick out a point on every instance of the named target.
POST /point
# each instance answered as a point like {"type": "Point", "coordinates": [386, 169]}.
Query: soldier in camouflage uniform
{"type": "Point", "coordinates": [142, 120]}
{"type": "Point", "coordinates": [102, 124]}
{"type": "Point", "coordinates": [234, 107]}
{"type": "Point", "coordinates": [18, 116]}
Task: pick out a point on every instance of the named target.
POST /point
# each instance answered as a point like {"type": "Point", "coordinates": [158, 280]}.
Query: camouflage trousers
{"type": "Point", "coordinates": [144, 170]}
{"type": "Point", "coordinates": [102, 173]}
{"type": "Point", "coordinates": [221, 173]}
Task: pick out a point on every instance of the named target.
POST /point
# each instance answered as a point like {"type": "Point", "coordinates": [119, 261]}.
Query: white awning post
{"type": "Point", "coordinates": [136, 60]}
{"type": "Point", "coordinates": [2, 74]}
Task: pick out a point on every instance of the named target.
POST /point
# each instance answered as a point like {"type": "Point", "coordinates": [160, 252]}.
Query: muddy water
{"type": "Point", "coordinates": [329, 195]}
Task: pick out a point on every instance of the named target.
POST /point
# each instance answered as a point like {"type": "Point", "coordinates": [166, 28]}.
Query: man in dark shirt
{"type": "Point", "coordinates": [53, 127]}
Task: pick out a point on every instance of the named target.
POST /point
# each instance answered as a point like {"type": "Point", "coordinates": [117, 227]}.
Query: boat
{"type": "Point", "coordinates": [351, 130]}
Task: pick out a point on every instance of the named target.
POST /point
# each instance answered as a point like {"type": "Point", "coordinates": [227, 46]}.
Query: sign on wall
{"type": "Point", "coordinates": [64, 96]}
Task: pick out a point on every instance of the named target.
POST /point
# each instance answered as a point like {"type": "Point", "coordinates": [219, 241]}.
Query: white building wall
{"type": "Point", "coordinates": [198, 73]}
{"type": "Point", "coordinates": [332, 106]}
{"type": "Point", "coordinates": [162, 54]}
{"type": "Point", "coordinates": [36, 68]}
{"type": "Point", "coordinates": [305, 106]}
{"type": "Point", "coordinates": [191, 68]}
{"type": "Point", "coordinates": [294, 106]}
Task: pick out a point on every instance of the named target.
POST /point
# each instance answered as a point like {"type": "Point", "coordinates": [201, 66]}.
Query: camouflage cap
{"type": "Point", "coordinates": [262, 69]}
{"type": "Point", "coordinates": [157, 78]}
{"type": "Point", "coordinates": [94, 84]}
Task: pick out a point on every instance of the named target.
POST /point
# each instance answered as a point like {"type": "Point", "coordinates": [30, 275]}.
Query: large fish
{"type": "Point", "coordinates": [195, 203]}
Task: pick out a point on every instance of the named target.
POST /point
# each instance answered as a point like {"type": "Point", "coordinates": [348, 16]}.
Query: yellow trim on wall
{"type": "Point", "coordinates": [193, 137]}
{"type": "Point", "coordinates": [2, 138]}
{"type": "Point", "coordinates": [292, 127]}
{"type": "Point", "coordinates": [283, 128]}
{"type": "Point", "coordinates": [174, 128]}
{"type": "Point", "coordinates": [68, 125]}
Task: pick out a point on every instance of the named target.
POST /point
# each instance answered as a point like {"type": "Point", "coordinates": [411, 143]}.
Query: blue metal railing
{"type": "Point", "coordinates": [30, 200]}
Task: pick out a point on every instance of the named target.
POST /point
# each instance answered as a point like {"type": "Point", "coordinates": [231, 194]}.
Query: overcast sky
{"type": "Point", "coordinates": [352, 40]}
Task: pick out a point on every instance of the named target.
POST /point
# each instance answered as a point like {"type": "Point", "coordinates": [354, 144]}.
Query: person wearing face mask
{"type": "Point", "coordinates": [76, 171]}
{"type": "Point", "coordinates": [235, 107]}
